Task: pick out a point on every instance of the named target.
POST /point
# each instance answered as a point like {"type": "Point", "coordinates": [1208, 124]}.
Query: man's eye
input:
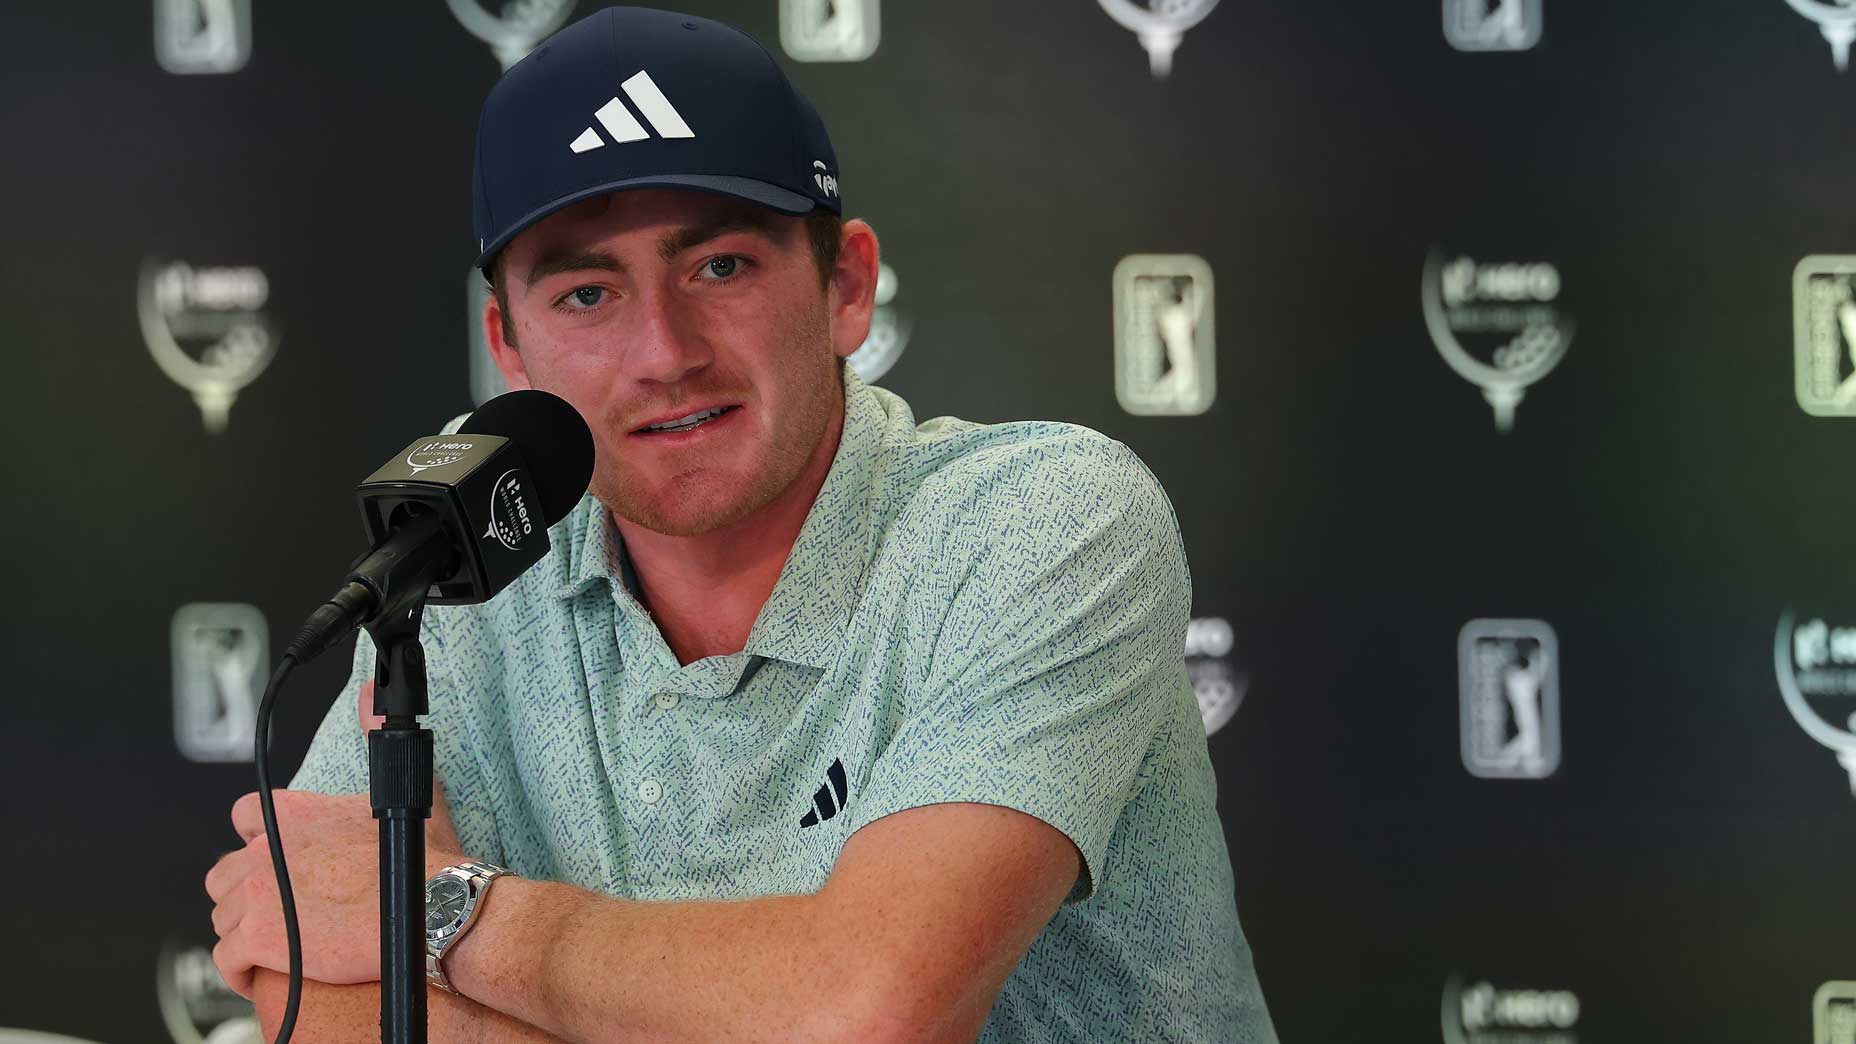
{"type": "Point", "coordinates": [727, 267]}
{"type": "Point", "coordinates": [582, 298]}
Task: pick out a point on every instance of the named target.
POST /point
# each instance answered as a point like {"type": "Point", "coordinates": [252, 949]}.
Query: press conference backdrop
{"type": "Point", "coordinates": [1497, 359]}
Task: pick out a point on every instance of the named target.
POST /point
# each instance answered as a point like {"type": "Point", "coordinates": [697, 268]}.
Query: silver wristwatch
{"type": "Point", "coordinates": [452, 898]}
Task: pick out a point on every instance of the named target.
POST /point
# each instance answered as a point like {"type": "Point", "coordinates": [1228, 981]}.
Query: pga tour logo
{"type": "Point", "coordinates": [1492, 25]}
{"type": "Point", "coordinates": [830, 30]}
{"type": "Point", "coordinates": [1499, 325]}
{"type": "Point", "coordinates": [1833, 1013]}
{"type": "Point", "coordinates": [202, 36]}
{"type": "Point", "coordinates": [510, 523]}
{"type": "Point", "coordinates": [1215, 683]}
{"type": "Point", "coordinates": [1824, 335]}
{"type": "Point", "coordinates": [221, 656]}
{"type": "Point", "coordinates": [1509, 694]}
{"type": "Point", "coordinates": [1483, 1013]}
{"type": "Point", "coordinates": [1164, 335]}
{"type": "Point", "coordinates": [1814, 654]}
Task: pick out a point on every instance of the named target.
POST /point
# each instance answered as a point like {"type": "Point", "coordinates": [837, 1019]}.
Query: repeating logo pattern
{"type": "Point", "coordinates": [514, 30]}
{"type": "Point", "coordinates": [1492, 25]}
{"type": "Point", "coordinates": [1164, 335]}
{"type": "Point", "coordinates": [1836, 19]}
{"type": "Point", "coordinates": [207, 330]}
{"type": "Point", "coordinates": [1509, 692]}
{"type": "Point", "coordinates": [1824, 335]}
{"type": "Point", "coordinates": [1498, 325]}
{"type": "Point", "coordinates": [830, 30]}
{"type": "Point", "coordinates": [1160, 25]}
{"type": "Point", "coordinates": [221, 655]}
{"type": "Point", "coordinates": [202, 36]}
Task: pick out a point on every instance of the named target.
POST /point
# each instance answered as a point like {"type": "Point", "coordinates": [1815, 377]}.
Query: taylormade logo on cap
{"type": "Point", "coordinates": [624, 127]}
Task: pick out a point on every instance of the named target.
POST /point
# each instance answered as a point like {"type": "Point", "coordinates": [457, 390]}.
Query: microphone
{"type": "Point", "coordinates": [454, 519]}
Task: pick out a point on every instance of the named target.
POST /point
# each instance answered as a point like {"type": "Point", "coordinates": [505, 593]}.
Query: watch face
{"type": "Point", "coordinates": [444, 903]}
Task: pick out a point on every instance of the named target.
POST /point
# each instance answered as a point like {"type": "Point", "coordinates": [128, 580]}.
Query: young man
{"type": "Point", "coordinates": [816, 723]}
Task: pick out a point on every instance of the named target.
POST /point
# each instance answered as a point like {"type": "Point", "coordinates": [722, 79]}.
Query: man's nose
{"type": "Point", "coordinates": [665, 343]}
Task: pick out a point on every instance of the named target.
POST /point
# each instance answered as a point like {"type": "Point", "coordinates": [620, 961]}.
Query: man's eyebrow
{"type": "Point", "coordinates": [669, 245]}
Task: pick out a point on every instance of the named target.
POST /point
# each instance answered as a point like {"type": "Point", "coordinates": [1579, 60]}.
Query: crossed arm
{"type": "Point", "coordinates": [926, 913]}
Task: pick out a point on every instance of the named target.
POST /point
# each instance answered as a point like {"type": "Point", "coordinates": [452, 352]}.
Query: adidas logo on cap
{"type": "Point", "coordinates": [624, 127]}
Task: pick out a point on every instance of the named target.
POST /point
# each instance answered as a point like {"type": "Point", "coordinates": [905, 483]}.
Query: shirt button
{"type": "Point", "coordinates": [649, 791]}
{"type": "Point", "coordinates": [666, 700]}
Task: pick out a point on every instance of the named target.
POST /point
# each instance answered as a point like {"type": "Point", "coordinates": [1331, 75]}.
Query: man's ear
{"type": "Point", "coordinates": [852, 299]}
{"type": "Point", "coordinates": [507, 359]}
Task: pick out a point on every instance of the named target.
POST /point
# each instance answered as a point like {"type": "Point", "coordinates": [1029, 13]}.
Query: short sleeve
{"type": "Point", "coordinates": [337, 759]}
{"type": "Point", "coordinates": [1059, 658]}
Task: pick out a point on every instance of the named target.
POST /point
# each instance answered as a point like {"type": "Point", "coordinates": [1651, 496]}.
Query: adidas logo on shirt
{"type": "Point", "coordinates": [623, 126]}
{"type": "Point", "coordinates": [824, 805]}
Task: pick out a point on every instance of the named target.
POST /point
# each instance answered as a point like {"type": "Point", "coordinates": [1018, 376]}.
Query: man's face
{"type": "Point", "coordinates": [651, 304]}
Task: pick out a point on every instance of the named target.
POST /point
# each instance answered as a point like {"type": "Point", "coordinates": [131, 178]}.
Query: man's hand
{"type": "Point", "coordinates": [333, 845]}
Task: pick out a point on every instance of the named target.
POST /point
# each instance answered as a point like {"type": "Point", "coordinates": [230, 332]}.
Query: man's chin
{"type": "Point", "coordinates": [687, 512]}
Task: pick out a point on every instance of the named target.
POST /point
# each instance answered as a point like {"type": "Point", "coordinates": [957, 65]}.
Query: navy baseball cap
{"type": "Point", "coordinates": [633, 97]}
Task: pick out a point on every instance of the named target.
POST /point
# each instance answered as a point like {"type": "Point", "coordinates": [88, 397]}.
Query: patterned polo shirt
{"type": "Point", "coordinates": [971, 612]}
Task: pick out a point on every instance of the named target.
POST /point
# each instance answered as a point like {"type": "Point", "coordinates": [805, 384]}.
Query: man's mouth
{"type": "Point", "coordinates": [689, 422]}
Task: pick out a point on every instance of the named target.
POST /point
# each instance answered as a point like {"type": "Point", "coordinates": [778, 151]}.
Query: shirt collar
{"type": "Point", "coordinates": [805, 618]}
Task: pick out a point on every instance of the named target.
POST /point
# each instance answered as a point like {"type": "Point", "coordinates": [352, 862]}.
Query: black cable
{"type": "Point", "coordinates": [263, 756]}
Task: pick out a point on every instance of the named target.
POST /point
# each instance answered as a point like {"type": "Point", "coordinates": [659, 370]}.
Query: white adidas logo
{"type": "Point", "coordinates": [623, 126]}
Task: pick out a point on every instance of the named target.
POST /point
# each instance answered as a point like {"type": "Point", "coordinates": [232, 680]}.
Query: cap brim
{"type": "Point", "coordinates": [782, 200]}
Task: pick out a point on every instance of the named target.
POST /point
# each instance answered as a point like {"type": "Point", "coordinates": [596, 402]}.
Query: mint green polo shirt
{"type": "Point", "coordinates": [992, 613]}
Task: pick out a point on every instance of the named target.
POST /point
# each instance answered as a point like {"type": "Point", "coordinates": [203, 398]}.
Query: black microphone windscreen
{"type": "Point", "coordinates": [553, 439]}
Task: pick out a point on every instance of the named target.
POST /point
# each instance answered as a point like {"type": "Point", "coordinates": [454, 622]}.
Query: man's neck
{"type": "Point", "coordinates": [705, 591]}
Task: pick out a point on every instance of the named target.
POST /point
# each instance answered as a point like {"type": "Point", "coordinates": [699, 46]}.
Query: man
{"type": "Point", "coordinates": [816, 723]}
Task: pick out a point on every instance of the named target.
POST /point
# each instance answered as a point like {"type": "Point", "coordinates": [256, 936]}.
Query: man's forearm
{"type": "Point", "coordinates": [593, 969]}
{"type": "Point", "coordinates": [351, 1015]}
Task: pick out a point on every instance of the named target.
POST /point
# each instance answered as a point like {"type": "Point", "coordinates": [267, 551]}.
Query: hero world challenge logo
{"type": "Point", "coordinates": [830, 30]}
{"type": "Point", "coordinates": [1483, 1013]}
{"type": "Point", "coordinates": [1160, 25]}
{"type": "Point", "coordinates": [513, 29]}
{"type": "Point", "coordinates": [196, 1005]}
{"type": "Point", "coordinates": [207, 330]}
{"type": "Point", "coordinates": [1814, 654]}
{"type": "Point", "coordinates": [1215, 682]}
{"type": "Point", "coordinates": [1164, 335]}
{"type": "Point", "coordinates": [509, 518]}
{"type": "Point", "coordinates": [888, 336]}
{"type": "Point", "coordinates": [1824, 335]}
{"type": "Point", "coordinates": [1498, 325]}
{"type": "Point", "coordinates": [1836, 19]}
{"type": "Point", "coordinates": [1509, 692]}
{"type": "Point", "coordinates": [1492, 25]}
{"type": "Point", "coordinates": [437, 454]}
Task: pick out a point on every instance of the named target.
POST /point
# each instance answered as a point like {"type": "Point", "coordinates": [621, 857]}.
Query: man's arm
{"type": "Point", "coordinates": [925, 915]}
{"type": "Point", "coordinates": [351, 1015]}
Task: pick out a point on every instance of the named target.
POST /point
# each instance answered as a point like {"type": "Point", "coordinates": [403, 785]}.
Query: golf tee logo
{"type": "Point", "coordinates": [623, 126]}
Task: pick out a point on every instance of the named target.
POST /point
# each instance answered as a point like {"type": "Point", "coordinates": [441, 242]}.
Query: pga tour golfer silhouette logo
{"type": "Point", "coordinates": [1164, 360]}
{"type": "Point", "coordinates": [830, 30]}
{"type": "Point", "coordinates": [1509, 691]}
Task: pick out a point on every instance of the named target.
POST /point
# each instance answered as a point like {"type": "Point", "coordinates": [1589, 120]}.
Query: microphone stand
{"type": "Point", "coordinates": [399, 763]}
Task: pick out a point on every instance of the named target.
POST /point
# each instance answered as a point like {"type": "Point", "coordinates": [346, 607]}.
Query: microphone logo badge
{"type": "Point", "coordinates": [1508, 683]}
{"type": "Point", "coordinates": [1219, 689]}
{"type": "Point", "coordinates": [889, 332]}
{"type": "Point", "coordinates": [1160, 25]}
{"type": "Point", "coordinates": [206, 330]}
{"type": "Point", "coordinates": [221, 657]}
{"type": "Point", "coordinates": [195, 1002]}
{"type": "Point", "coordinates": [1824, 335]}
{"type": "Point", "coordinates": [514, 30]}
{"type": "Point", "coordinates": [1499, 326]}
{"type": "Point", "coordinates": [1492, 25]}
{"type": "Point", "coordinates": [830, 30]}
{"type": "Point", "coordinates": [509, 518]}
{"type": "Point", "coordinates": [437, 454]}
{"type": "Point", "coordinates": [1164, 335]}
{"type": "Point", "coordinates": [202, 36]}
{"type": "Point", "coordinates": [1833, 1013]}
{"type": "Point", "coordinates": [1836, 19]}
{"type": "Point", "coordinates": [1482, 1011]}
{"type": "Point", "coordinates": [1816, 665]}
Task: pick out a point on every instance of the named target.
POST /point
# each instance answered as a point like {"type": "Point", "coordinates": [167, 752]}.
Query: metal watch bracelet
{"type": "Point", "coordinates": [478, 876]}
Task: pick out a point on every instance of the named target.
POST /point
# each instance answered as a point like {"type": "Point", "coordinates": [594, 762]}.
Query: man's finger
{"type": "Point", "coordinates": [234, 968]}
